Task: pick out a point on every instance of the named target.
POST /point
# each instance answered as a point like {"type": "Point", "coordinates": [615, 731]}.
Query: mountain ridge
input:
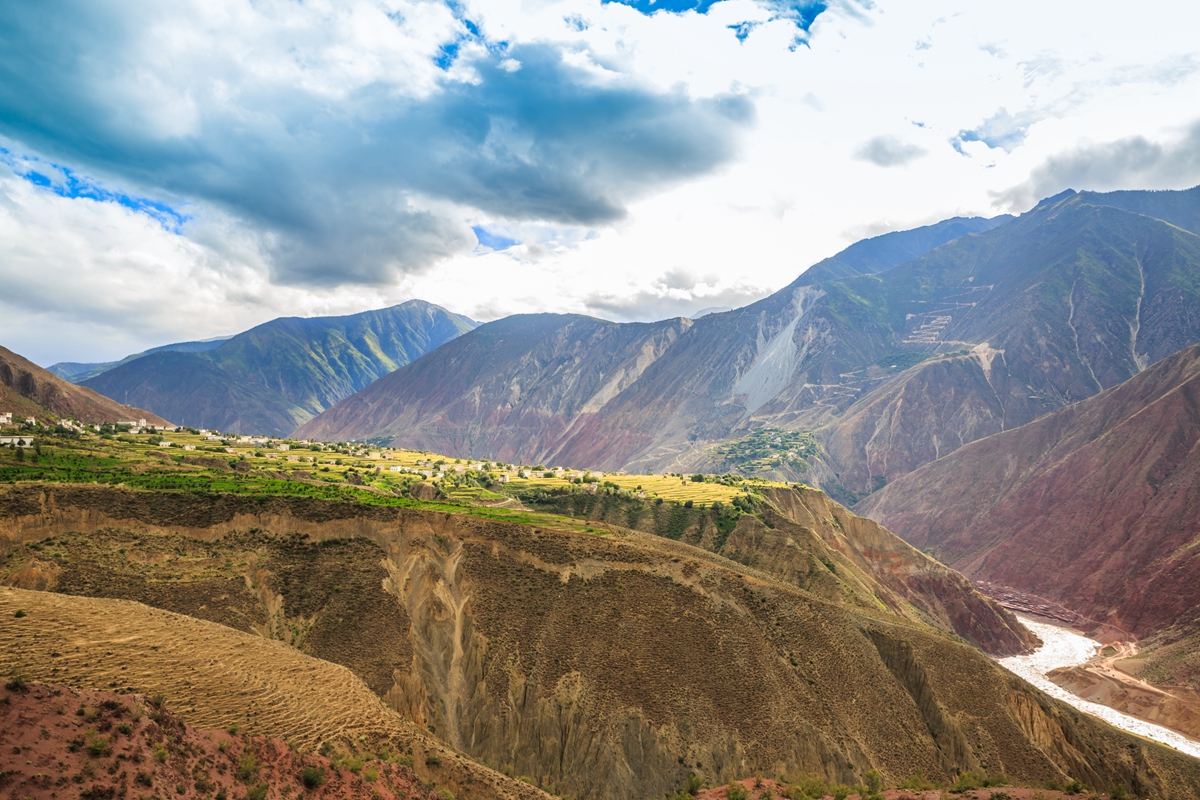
{"type": "Point", "coordinates": [273, 377]}
{"type": "Point", "coordinates": [1002, 326]}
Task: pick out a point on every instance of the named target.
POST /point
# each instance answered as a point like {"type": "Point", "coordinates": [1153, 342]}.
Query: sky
{"type": "Point", "coordinates": [182, 171]}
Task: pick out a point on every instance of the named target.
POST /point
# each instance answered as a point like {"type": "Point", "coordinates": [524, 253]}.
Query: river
{"type": "Point", "coordinates": [1066, 648]}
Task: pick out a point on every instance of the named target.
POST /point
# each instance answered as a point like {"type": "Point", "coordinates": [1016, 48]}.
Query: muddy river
{"type": "Point", "coordinates": [1066, 648]}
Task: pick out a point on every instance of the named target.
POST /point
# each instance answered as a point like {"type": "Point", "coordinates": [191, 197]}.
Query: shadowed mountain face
{"type": "Point", "coordinates": [77, 372]}
{"type": "Point", "coordinates": [892, 370]}
{"type": "Point", "coordinates": [1096, 506]}
{"type": "Point", "coordinates": [27, 390]}
{"type": "Point", "coordinates": [600, 666]}
{"type": "Point", "coordinates": [276, 376]}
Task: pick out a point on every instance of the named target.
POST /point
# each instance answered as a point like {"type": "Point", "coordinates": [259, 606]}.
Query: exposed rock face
{"type": "Point", "coordinates": [805, 539]}
{"type": "Point", "coordinates": [1096, 506]}
{"type": "Point", "coordinates": [608, 666]}
{"type": "Point", "coordinates": [28, 390]}
{"type": "Point", "coordinates": [277, 375]}
{"type": "Point", "coordinates": [892, 369]}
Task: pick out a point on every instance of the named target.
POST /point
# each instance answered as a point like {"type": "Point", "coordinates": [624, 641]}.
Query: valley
{"type": "Point", "coordinates": [504, 633]}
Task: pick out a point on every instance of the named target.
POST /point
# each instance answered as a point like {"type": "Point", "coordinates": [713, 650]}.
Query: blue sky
{"type": "Point", "coordinates": [623, 158]}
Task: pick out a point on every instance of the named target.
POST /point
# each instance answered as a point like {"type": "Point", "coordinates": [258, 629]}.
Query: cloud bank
{"type": "Point", "coordinates": [353, 143]}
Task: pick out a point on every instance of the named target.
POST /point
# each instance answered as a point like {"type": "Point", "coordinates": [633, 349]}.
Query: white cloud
{"type": "Point", "coordinates": [1078, 89]}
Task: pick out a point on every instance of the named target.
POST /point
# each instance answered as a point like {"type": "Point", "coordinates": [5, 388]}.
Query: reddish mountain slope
{"type": "Point", "coordinates": [60, 742]}
{"type": "Point", "coordinates": [1096, 506]}
{"type": "Point", "coordinates": [28, 390]}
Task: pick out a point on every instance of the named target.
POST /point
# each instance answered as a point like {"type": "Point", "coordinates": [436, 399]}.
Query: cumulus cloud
{"type": "Point", "coordinates": [1130, 163]}
{"type": "Point", "coordinates": [888, 151]}
{"type": "Point", "coordinates": [1002, 130]}
{"type": "Point", "coordinates": [677, 292]}
{"type": "Point", "coordinates": [351, 142]}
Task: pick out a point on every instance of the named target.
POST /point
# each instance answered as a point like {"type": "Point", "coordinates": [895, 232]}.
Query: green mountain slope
{"type": "Point", "coordinates": [78, 372]}
{"type": "Point", "coordinates": [278, 375]}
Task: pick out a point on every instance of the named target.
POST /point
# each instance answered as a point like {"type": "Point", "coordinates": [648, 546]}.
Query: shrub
{"type": "Point", "coordinates": [968, 781]}
{"type": "Point", "coordinates": [873, 784]}
{"type": "Point", "coordinates": [1075, 787]}
{"type": "Point", "coordinates": [312, 777]}
{"type": "Point", "coordinates": [445, 793]}
{"type": "Point", "coordinates": [97, 746]}
{"type": "Point", "coordinates": [371, 774]}
{"type": "Point", "coordinates": [248, 767]}
{"type": "Point", "coordinates": [160, 754]}
{"type": "Point", "coordinates": [432, 760]}
{"type": "Point", "coordinates": [17, 683]}
{"type": "Point", "coordinates": [688, 504]}
{"type": "Point", "coordinates": [20, 613]}
{"type": "Point", "coordinates": [259, 792]}
{"type": "Point", "coordinates": [1120, 792]}
{"type": "Point", "coordinates": [735, 791]}
{"type": "Point", "coordinates": [693, 784]}
{"type": "Point", "coordinates": [125, 729]}
{"type": "Point", "coordinates": [144, 778]}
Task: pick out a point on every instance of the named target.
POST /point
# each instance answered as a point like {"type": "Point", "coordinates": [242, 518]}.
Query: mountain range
{"type": "Point", "coordinates": [274, 377]}
{"type": "Point", "coordinates": [78, 372]}
{"type": "Point", "coordinates": [889, 361]}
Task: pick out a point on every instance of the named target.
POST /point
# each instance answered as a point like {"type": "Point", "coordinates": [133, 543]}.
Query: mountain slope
{"type": "Point", "coordinates": [1115, 477]}
{"type": "Point", "coordinates": [599, 666]}
{"type": "Point", "coordinates": [276, 376]}
{"type": "Point", "coordinates": [27, 390]}
{"type": "Point", "coordinates": [891, 370]}
{"type": "Point", "coordinates": [77, 372]}
{"type": "Point", "coordinates": [510, 389]}
{"type": "Point", "coordinates": [881, 253]}
{"type": "Point", "coordinates": [222, 679]}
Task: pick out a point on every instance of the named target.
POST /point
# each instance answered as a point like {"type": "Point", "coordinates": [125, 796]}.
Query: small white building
{"type": "Point", "coordinates": [164, 444]}
{"type": "Point", "coordinates": [6, 418]}
{"type": "Point", "coordinates": [189, 447]}
{"type": "Point", "coordinates": [502, 477]}
{"type": "Point", "coordinates": [17, 441]}
{"type": "Point", "coordinates": [30, 421]}
{"type": "Point", "coordinates": [283, 448]}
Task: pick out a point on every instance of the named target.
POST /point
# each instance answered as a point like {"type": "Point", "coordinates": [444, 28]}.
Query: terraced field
{"type": "Point", "coordinates": [216, 677]}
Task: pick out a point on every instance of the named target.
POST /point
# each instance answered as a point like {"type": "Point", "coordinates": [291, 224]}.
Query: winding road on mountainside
{"type": "Point", "coordinates": [1064, 648]}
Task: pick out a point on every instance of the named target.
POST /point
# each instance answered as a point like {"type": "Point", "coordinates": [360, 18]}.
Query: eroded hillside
{"type": "Point", "coordinates": [599, 666]}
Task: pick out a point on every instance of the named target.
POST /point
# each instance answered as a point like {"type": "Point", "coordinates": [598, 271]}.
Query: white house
{"type": "Point", "coordinates": [283, 448]}
{"type": "Point", "coordinates": [30, 421]}
{"type": "Point", "coordinates": [6, 418]}
{"type": "Point", "coordinates": [189, 447]}
{"type": "Point", "coordinates": [17, 441]}
{"type": "Point", "coordinates": [164, 444]}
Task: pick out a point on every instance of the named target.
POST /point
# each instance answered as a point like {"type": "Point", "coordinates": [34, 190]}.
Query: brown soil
{"type": "Point", "coordinates": [599, 666]}
{"type": "Point", "coordinates": [61, 742]}
{"type": "Point", "coordinates": [218, 678]}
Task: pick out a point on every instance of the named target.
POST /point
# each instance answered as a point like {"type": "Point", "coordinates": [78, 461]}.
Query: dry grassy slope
{"type": "Point", "coordinates": [105, 744]}
{"type": "Point", "coordinates": [28, 390]}
{"type": "Point", "coordinates": [811, 542]}
{"type": "Point", "coordinates": [218, 677]}
{"type": "Point", "coordinates": [611, 666]}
